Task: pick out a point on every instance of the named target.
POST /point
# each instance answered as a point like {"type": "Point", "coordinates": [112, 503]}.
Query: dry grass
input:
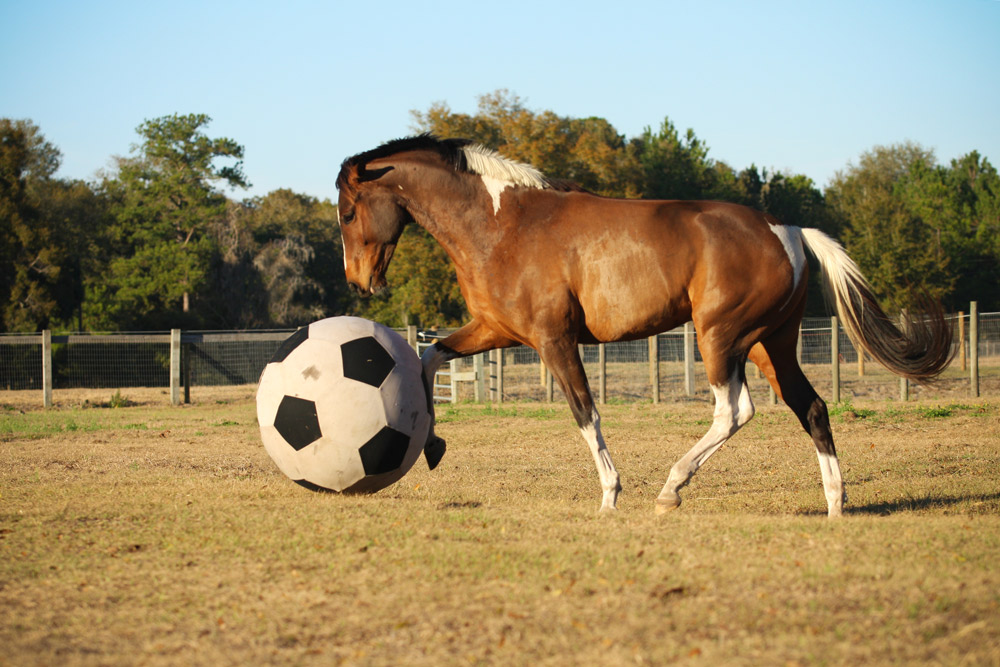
{"type": "Point", "coordinates": [159, 536]}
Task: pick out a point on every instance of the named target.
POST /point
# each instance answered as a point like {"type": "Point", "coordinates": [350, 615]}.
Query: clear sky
{"type": "Point", "coordinates": [802, 86]}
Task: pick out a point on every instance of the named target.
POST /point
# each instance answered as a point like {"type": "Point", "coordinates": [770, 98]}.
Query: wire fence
{"type": "Point", "coordinates": [664, 368]}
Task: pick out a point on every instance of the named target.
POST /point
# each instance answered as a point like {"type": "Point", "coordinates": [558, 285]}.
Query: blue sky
{"type": "Point", "coordinates": [802, 86]}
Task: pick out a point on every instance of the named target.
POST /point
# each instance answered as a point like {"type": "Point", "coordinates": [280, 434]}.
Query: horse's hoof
{"type": "Point", "coordinates": [664, 505]}
{"type": "Point", "coordinates": [434, 451]}
{"type": "Point", "coordinates": [608, 510]}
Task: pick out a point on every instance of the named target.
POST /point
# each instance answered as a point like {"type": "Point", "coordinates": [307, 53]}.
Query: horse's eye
{"type": "Point", "coordinates": [348, 218]}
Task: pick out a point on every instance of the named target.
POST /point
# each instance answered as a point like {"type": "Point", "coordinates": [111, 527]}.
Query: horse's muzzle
{"type": "Point", "coordinates": [365, 292]}
{"type": "Point", "coordinates": [358, 289]}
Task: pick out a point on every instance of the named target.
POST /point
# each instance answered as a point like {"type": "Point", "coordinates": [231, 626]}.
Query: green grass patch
{"type": "Point", "coordinates": [45, 423]}
{"type": "Point", "coordinates": [845, 410]}
{"type": "Point", "coordinates": [935, 412]}
{"type": "Point", "coordinates": [951, 410]}
{"type": "Point", "coordinates": [118, 400]}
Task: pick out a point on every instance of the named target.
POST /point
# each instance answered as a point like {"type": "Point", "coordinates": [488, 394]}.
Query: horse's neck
{"type": "Point", "coordinates": [445, 212]}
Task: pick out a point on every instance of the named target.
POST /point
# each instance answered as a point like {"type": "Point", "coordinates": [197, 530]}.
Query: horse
{"type": "Point", "coordinates": [545, 264]}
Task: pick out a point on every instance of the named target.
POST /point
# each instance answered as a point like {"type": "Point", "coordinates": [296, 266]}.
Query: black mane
{"type": "Point", "coordinates": [449, 149]}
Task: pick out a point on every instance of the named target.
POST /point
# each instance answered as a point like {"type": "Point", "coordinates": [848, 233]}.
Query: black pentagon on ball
{"type": "Point", "coordinates": [385, 451]}
{"type": "Point", "coordinates": [290, 344]}
{"type": "Point", "coordinates": [365, 360]}
{"type": "Point", "coordinates": [297, 422]}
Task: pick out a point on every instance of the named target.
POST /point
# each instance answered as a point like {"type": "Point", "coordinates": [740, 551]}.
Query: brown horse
{"type": "Point", "coordinates": [544, 265]}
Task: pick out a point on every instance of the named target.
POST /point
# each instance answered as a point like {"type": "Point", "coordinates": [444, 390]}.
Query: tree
{"type": "Point", "coordinates": [31, 254]}
{"type": "Point", "coordinates": [672, 167]}
{"type": "Point", "coordinates": [280, 262]}
{"type": "Point", "coordinates": [899, 251]}
{"type": "Point", "coordinates": [961, 204]}
{"type": "Point", "coordinates": [164, 200]}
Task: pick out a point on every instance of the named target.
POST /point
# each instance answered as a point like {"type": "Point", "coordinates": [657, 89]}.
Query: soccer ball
{"type": "Point", "coordinates": [342, 406]}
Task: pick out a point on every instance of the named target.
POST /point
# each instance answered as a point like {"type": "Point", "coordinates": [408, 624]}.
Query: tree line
{"type": "Point", "coordinates": [160, 241]}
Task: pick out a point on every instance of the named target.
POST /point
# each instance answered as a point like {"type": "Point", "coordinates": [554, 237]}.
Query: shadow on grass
{"type": "Point", "coordinates": [973, 502]}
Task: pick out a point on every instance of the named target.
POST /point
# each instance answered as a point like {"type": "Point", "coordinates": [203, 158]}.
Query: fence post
{"type": "Point", "coordinates": [689, 358]}
{"type": "Point", "coordinates": [47, 368]}
{"type": "Point", "coordinates": [548, 385]}
{"type": "Point", "coordinates": [497, 385]}
{"type": "Point", "coordinates": [654, 366]}
{"type": "Point", "coordinates": [602, 365]}
{"type": "Point", "coordinates": [186, 370]}
{"type": "Point", "coordinates": [175, 366]}
{"type": "Point", "coordinates": [453, 366]}
{"type": "Point", "coordinates": [835, 357]}
{"type": "Point", "coordinates": [411, 337]}
{"type": "Point", "coordinates": [974, 348]}
{"type": "Point", "coordinates": [961, 339]}
{"type": "Point", "coordinates": [479, 368]}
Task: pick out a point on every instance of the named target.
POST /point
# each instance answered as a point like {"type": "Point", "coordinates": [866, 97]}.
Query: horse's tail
{"type": "Point", "coordinates": [920, 351]}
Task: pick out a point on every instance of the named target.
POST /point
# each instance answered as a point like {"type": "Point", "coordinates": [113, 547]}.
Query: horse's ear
{"type": "Point", "coordinates": [364, 174]}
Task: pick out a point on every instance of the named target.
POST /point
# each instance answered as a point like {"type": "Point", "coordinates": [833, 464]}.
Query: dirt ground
{"type": "Point", "coordinates": [159, 535]}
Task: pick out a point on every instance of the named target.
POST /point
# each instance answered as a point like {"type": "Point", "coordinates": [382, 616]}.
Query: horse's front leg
{"type": "Point", "coordinates": [563, 359]}
{"type": "Point", "coordinates": [471, 339]}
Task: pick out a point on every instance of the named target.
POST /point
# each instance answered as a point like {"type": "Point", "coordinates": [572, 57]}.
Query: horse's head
{"type": "Point", "coordinates": [372, 218]}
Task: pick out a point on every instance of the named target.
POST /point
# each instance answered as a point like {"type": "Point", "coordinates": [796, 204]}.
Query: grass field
{"type": "Point", "coordinates": [152, 535]}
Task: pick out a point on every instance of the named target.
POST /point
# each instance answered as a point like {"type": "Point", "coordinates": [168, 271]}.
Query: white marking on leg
{"type": "Point", "coordinates": [610, 481]}
{"type": "Point", "coordinates": [733, 409]}
{"type": "Point", "coordinates": [833, 483]}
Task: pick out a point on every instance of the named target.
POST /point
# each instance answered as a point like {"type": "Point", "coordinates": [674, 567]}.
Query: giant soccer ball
{"type": "Point", "coordinates": [342, 406]}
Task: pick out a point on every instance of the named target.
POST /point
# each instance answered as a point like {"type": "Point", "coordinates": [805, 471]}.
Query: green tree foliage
{"type": "Point", "coordinates": [898, 251]}
{"type": "Point", "coordinates": [960, 205]}
{"type": "Point", "coordinates": [676, 168]}
{"type": "Point", "coordinates": [46, 231]}
{"type": "Point", "coordinates": [164, 200]}
{"type": "Point", "coordinates": [916, 227]}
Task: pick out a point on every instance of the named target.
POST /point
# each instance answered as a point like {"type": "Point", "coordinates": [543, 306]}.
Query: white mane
{"type": "Point", "coordinates": [499, 173]}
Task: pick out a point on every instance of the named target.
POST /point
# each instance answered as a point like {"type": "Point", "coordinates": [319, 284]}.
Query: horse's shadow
{"type": "Point", "coordinates": [918, 503]}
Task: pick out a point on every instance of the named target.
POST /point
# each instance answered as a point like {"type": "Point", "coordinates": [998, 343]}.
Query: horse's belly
{"type": "Point", "coordinates": [630, 313]}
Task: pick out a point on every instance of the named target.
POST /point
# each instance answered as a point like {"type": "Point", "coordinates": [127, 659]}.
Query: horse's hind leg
{"type": "Point", "coordinates": [733, 409]}
{"type": "Point", "coordinates": [562, 358]}
{"type": "Point", "coordinates": [776, 358]}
